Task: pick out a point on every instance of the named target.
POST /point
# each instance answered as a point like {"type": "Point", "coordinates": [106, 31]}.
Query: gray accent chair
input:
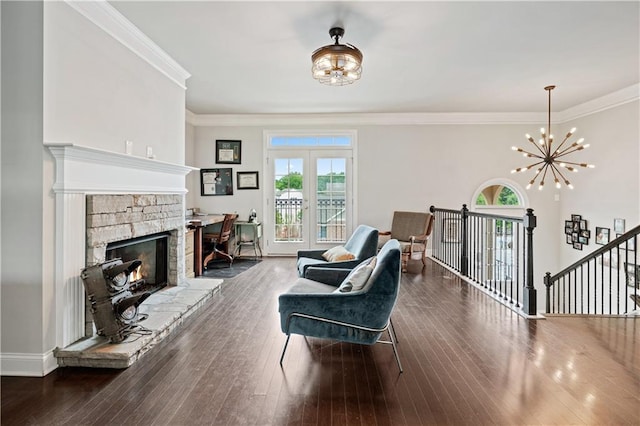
{"type": "Point", "coordinates": [322, 310]}
{"type": "Point", "coordinates": [363, 244]}
{"type": "Point", "coordinates": [412, 230]}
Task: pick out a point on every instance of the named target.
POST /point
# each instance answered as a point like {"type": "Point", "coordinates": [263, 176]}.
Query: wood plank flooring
{"type": "Point", "coordinates": [466, 359]}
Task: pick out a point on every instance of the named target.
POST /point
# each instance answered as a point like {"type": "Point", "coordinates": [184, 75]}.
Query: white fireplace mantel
{"type": "Point", "coordinates": [81, 169]}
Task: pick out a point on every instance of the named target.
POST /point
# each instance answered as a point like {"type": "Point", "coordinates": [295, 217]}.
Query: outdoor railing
{"type": "Point", "coordinates": [331, 221]}
{"type": "Point", "coordinates": [495, 252]}
{"type": "Point", "coordinates": [605, 282]}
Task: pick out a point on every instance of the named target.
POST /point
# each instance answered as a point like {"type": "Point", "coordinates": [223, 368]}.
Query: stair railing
{"type": "Point", "coordinates": [605, 282]}
{"type": "Point", "coordinates": [492, 251]}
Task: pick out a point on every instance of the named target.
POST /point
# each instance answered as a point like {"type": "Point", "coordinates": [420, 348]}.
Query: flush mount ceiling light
{"type": "Point", "coordinates": [337, 64]}
{"type": "Point", "coordinates": [552, 158]}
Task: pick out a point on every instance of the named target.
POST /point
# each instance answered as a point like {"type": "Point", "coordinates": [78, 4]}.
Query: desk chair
{"type": "Point", "coordinates": [217, 244]}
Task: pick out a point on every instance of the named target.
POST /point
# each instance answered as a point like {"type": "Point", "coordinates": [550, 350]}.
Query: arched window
{"type": "Point", "coordinates": [499, 194]}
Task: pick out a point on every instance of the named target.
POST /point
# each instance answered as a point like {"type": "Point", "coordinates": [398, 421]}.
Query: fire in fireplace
{"type": "Point", "coordinates": [152, 252]}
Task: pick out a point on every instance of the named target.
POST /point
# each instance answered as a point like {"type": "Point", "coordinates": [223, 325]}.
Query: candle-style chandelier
{"type": "Point", "coordinates": [551, 159]}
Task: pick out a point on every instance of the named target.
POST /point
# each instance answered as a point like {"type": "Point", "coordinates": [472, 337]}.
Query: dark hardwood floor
{"type": "Point", "coordinates": [466, 359]}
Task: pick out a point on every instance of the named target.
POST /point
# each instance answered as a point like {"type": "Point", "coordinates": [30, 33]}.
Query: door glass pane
{"type": "Point", "coordinates": [288, 178]}
{"type": "Point", "coordinates": [331, 198]}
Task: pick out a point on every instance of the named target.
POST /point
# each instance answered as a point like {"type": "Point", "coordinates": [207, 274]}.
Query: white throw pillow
{"type": "Point", "coordinates": [358, 277]}
{"type": "Point", "coordinates": [337, 254]}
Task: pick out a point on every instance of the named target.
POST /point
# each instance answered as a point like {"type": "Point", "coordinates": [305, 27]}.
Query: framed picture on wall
{"type": "Point", "coordinates": [247, 180]}
{"type": "Point", "coordinates": [228, 152]}
{"type": "Point", "coordinates": [618, 226]}
{"type": "Point", "coordinates": [602, 235]}
{"type": "Point", "coordinates": [216, 182]}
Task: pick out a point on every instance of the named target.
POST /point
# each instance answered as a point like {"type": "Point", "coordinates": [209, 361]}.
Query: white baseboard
{"type": "Point", "coordinates": [29, 365]}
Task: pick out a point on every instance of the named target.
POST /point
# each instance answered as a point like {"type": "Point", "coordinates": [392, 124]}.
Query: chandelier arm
{"type": "Point", "coordinates": [546, 145]}
{"type": "Point", "coordinates": [532, 181]}
{"type": "Point", "coordinates": [534, 164]}
{"type": "Point", "coordinates": [531, 154]}
{"type": "Point", "coordinates": [562, 143]}
{"type": "Point", "coordinates": [554, 169]}
{"type": "Point", "coordinates": [561, 175]}
{"type": "Point", "coordinates": [544, 173]}
{"type": "Point", "coordinates": [569, 151]}
{"type": "Point", "coordinates": [575, 164]}
{"type": "Point", "coordinates": [538, 147]}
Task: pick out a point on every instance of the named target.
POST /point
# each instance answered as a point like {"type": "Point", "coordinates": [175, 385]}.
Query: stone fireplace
{"type": "Point", "coordinates": [102, 197]}
{"type": "Point", "coordinates": [117, 221]}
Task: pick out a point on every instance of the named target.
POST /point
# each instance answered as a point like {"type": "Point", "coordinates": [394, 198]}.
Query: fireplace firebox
{"type": "Point", "coordinates": [152, 251]}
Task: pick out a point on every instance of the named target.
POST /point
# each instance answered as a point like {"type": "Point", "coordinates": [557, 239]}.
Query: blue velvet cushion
{"type": "Point", "coordinates": [358, 276]}
{"type": "Point", "coordinates": [369, 307]}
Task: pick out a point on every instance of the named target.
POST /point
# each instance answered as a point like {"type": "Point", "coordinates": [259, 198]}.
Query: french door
{"type": "Point", "coordinates": [307, 199]}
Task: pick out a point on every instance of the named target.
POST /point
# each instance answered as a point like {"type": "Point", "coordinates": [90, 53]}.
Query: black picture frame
{"type": "Point", "coordinates": [576, 231]}
{"type": "Point", "coordinates": [216, 182]}
{"type": "Point", "coordinates": [247, 180]}
{"type": "Point", "coordinates": [602, 235]}
{"type": "Point", "coordinates": [228, 151]}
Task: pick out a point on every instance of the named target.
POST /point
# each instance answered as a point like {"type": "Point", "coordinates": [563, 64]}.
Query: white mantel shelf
{"type": "Point", "coordinates": [91, 170]}
{"type": "Point", "coordinates": [80, 171]}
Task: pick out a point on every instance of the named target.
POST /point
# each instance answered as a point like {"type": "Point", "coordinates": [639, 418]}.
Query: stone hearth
{"type": "Point", "coordinates": [167, 310]}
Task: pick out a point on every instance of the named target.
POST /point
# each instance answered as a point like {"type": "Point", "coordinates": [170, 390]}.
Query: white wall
{"type": "Point", "coordinates": [99, 94]}
{"type": "Point", "coordinates": [612, 189]}
{"type": "Point", "coordinates": [252, 159]}
{"type": "Point", "coordinates": [414, 166]}
{"type": "Point", "coordinates": [68, 81]}
{"type": "Point", "coordinates": [399, 167]}
{"type": "Point", "coordinates": [22, 262]}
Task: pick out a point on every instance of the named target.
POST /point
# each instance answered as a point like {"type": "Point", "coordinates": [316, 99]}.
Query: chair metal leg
{"type": "Point", "coordinates": [284, 349]}
{"type": "Point", "coordinates": [392, 334]}
{"type": "Point", "coordinates": [395, 336]}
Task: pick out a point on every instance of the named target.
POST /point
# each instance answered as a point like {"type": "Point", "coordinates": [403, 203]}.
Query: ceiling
{"type": "Point", "coordinates": [430, 57]}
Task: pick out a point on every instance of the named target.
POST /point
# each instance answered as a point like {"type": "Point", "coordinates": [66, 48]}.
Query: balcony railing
{"type": "Point", "coordinates": [331, 225]}
{"type": "Point", "coordinates": [494, 252]}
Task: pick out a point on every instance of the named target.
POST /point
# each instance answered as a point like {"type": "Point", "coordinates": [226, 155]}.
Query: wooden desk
{"type": "Point", "coordinates": [198, 223]}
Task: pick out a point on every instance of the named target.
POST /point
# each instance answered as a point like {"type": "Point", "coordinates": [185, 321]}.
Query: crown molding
{"type": "Point", "coordinates": [190, 117]}
{"type": "Point", "coordinates": [112, 22]}
{"type": "Point", "coordinates": [612, 100]}
{"type": "Point", "coordinates": [365, 119]}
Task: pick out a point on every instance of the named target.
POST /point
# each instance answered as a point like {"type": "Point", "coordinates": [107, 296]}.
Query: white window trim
{"type": "Point", "coordinates": [520, 193]}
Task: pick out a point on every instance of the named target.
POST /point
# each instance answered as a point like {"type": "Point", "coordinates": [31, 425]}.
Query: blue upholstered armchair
{"type": "Point", "coordinates": [356, 310]}
{"type": "Point", "coordinates": [362, 244]}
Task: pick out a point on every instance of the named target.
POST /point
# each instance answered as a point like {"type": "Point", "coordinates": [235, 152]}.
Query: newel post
{"type": "Point", "coordinates": [547, 283]}
{"type": "Point", "coordinates": [529, 304]}
{"type": "Point", "coordinates": [464, 257]}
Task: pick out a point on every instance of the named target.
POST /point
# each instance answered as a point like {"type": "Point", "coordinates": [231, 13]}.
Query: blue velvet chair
{"type": "Point", "coordinates": [363, 244]}
{"type": "Point", "coordinates": [324, 310]}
